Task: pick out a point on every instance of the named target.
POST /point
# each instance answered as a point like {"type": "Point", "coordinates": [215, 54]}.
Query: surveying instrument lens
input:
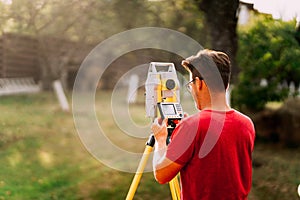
{"type": "Point", "coordinates": [170, 84]}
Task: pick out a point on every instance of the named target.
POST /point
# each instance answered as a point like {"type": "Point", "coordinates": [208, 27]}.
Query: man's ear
{"type": "Point", "coordinates": [198, 83]}
{"type": "Point", "coordinates": [227, 88]}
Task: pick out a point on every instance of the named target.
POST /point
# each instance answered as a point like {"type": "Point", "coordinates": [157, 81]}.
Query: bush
{"type": "Point", "coordinates": [280, 125]}
{"type": "Point", "coordinates": [268, 50]}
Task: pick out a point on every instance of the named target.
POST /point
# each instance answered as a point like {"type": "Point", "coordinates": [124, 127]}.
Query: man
{"type": "Point", "coordinates": [211, 149]}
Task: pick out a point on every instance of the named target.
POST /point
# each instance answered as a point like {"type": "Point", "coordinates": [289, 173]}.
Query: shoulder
{"type": "Point", "coordinates": [193, 122]}
{"type": "Point", "coordinates": [242, 116]}
{"type": "Point", "coordinates": [199, 115]}
{"type": "Point", "coordinates": [243, 120]}
{"type": "Point", "coordinates": [188, 124]}
{"type": "Point", "coordinates": [191, 118]}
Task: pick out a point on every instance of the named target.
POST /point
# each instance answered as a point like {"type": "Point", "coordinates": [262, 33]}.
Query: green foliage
{"type": "Point", "coordinates": [268, 51]}
{"type": "Point", "coordinates": [96, 20]}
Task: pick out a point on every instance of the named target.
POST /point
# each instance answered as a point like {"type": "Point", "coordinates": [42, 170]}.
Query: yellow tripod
{"type": "Point", "coordinates": [174, 184]}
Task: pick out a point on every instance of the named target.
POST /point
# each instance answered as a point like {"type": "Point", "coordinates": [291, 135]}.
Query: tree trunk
{"type": "Point", "coordinates": [221, 23]}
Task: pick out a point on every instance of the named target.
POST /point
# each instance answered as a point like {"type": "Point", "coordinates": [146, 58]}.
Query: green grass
{"type": "Point", "coordinates": [41, 157]}
{"type": "Point", "coordinates": [277, 172]}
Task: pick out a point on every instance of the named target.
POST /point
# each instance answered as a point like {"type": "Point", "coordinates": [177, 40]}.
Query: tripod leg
{"type": "Point", "coordinates": [177, 186]}
{"type": "Point", "coordinates": [174, 188]}
{"type": "Point", "coordinates": [139, 173]}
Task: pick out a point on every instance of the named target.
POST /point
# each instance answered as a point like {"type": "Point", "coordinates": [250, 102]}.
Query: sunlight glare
{"type": "Point", "coordinates": [280, 9]}
{"type": "Point", "coordinates": [6, 1]}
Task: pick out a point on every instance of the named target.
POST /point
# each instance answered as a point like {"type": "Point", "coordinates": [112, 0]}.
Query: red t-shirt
{"type": "Point", "coordinates": [215, 149]}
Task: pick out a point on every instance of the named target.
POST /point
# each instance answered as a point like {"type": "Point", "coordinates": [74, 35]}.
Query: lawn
{"type": "Point", "coordinates": [42, 157]}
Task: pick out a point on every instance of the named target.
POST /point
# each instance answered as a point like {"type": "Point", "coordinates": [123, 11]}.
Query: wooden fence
{"type": "Point", "coordinates": [18, 57]}
{"type": "Point", "coordinates": [25, 56]}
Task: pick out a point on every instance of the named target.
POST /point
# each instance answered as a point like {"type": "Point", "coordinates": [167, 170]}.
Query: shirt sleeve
{"type": "Point", "coordinates": [181, 147]}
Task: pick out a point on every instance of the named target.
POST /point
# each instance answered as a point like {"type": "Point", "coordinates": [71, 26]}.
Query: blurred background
{"type": "Point", "coordinates": [44, 42]}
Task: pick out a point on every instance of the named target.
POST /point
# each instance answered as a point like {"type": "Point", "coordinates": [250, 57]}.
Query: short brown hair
{"type": "Point", "coordinates": [202, 64]}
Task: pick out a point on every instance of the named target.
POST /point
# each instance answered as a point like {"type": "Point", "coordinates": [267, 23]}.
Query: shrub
{"type": "Point", "coordinates": [268, 50]}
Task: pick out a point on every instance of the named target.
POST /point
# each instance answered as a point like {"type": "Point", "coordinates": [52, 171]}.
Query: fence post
{"type": "Point", "coordinates": [61, 95]}
{"type": "Point", "coordinates": [132, 88]}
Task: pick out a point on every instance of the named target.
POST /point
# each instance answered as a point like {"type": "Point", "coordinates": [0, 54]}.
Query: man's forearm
{"type": "Point", "coordinates": [163, 168]}
{"type": "Point", "coordinates": [158, 158]}
{"type": "Point", "coordinates": [159, 154]}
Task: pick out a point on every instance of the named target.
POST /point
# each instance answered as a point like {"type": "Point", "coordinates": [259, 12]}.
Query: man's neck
{"type": "Point", "coordinates": [217, 102]}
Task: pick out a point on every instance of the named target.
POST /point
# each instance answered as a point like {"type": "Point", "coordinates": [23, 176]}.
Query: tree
{"type": "Point", "coordinates": [268, 51]}
{"type": "Point", "coordinates": [221, 24]}
{"type": "Point", "coordinates": [94, 20]}
{"type": "Point", "coordinates": [57, 26]}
